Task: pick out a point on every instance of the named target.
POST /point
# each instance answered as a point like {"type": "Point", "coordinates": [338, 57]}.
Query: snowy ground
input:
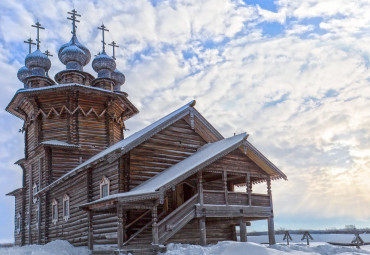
{"type": "Point", "coordinates": [317, 247]}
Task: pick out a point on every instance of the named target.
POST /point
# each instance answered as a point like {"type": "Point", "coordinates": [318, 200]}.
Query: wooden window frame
{"type": "Point", "coordinates": [18, 223]}
{"type": "Point", "coordinates": [65, 215]}
{"type": "Point", "coordinates": [37, 214]}
{"type": "Point", "coordinates": [34, 187]}
{"type": "Point", "coordinates": [54, 217]}
{"type": "Point", "coordinates": [103, 182]}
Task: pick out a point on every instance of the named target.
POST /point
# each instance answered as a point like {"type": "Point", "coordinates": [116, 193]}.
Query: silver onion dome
{"type": "Point", "coordinates": [119, 79]}
{"type": "Point", "coordinates": [23, 73]}
{"type": "Point", "coordinates": [38, 63]}
{"type": "Point", "coordinates": [74, 55]}
{"type": "Point", "coordinates": [104, 65]}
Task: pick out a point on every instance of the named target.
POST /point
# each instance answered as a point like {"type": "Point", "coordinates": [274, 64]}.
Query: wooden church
{"type": "Point", "coordinates": [177, 180]}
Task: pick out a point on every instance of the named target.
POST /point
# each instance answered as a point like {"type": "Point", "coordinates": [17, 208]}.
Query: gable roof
{"type": "Point", "coordinates": [205, 155]}
{"type": "Point", "coordinates": [132, 141]}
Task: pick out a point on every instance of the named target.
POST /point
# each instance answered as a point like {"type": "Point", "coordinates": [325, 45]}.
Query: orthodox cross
{"type": "Point", "coordinates": [30, 43]}
{"type": "Point", "coordinates": [114, 45]}
{"type": "Point", "coordinates": [358, 241]}
{"type": "Point", "coordinates": [307, 236]}
{"type": "Point", "coordinates": [74, 20]}
{"type": "Point", "coordinates": [47, 53]}
{"type": "Point", "coordinates": [103, 28]}
{"type": "Point", "coordinates": [38, 27]}
{"type": "Point", "coordinates": [287, 237]}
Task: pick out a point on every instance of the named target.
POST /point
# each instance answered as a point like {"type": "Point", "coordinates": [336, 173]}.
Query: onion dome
{"type": "Point", "coordinates": [74, 55]}
{"type": "Point", "coordinates": [119, 79]}
{"type": "Point", "coordinates": [23, 73]}
{"type": "Point", "coordinates": [38, 63]}
{"type": "Point", "coordinates": [104, 65]}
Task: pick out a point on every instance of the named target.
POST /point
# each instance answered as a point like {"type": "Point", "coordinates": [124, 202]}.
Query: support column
{"type": "Point", "coordinates": [243, 230]}
{"type": "Point", "coordinates": [224, 178]}
{"type": "Point", "coordinates": [154, 225]}
{"type": "Point", "coordinates": [270, 220]}
{"type": "Point", "coordinates": [90, 240]}
{"type": "Point", "coordinates": [120, 227]}
{"type": "Point", "coordinates": [249, 188]}
{"type": "Point", "coordinates": [200, 188]}
{"type": "Point", "coordinates": [203, 233]}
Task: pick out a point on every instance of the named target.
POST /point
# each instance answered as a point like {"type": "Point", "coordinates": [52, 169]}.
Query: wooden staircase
{"type": "Point", "coordinates": [177, 219]}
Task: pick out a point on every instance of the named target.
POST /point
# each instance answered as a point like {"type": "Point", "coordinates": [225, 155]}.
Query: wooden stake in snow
{"type": "Point", "coordinates": [358, 241]}
{"type": "Point", "coordinates": [287, 237]}
{"type": "Point", "coordinates": [307, 236]}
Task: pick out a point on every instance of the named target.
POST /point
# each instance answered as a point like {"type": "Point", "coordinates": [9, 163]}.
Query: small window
{"type": "Point", "coordinates": [66, 207]}
{"type": "Point", "coordinates": [104, 187]}
{"type": "Point", "coordinates": [18, 223]}
{"type": "Point", "coordinates": [34, 192]}
{"type": "Point", "coordinates": [37, 215]}
{"type": "Point", "coordinates": [27, 219]}
{"type": "Point", "coordinates": [54, 211]}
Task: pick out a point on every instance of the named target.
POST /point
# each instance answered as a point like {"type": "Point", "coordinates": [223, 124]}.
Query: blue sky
{"type": "Point", "coordinates": [293, 74]}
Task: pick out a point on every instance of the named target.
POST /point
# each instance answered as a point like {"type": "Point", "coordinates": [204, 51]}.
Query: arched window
{"type": "Point", "coordinates": [54, 211]}
{"type": "Point", "coordinates": [18, 223]}
{"type": "Point", "coordinates": [104, 187]}
{"type": "Point", "coordinates": [34, 191]}
{"type": "Point", "coordinates": [66, 207]}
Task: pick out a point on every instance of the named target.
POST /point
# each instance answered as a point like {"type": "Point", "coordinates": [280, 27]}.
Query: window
{"type": "Point", "coordinates": [37, 215]}
{"type": "Point", "coordinates": [27, 219]}
{"type": "Point", "coordinates": [18, 223]}
{"type": "Point", "coordinates": [104, 187]}
{"type": "Point", "coordinates": [34, 192]}
{"type": "Point", "coordinates": [66, 207]}
{"type": "Point", "coordinates": [54, 211]}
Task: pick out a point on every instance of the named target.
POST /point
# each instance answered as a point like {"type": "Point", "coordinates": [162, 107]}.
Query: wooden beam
{"type": "Point", "coordinates": [224, 178]}
{"type": "Point", "coordinates": [271, 230]}
{"type": "Point", "coordinates": [120, 227]}
{"type": "Point", "coordinates": [200, 188]}
{"type": "Point", "coordinates": [202, 228]}
{"type": "Point", "coordinates": [155, 225]}
{"type": "Point", "coordinates": [249, 189]}
{"type": "Point", "coordinates": [243, 230]}
{"type": "Point", "coordinates": [90, 237]}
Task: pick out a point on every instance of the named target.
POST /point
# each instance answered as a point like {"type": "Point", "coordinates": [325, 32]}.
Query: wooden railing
{"type": "Point", "coordinates": [177, 219]}
{"type": "Point", "coordinates": [217, 197]}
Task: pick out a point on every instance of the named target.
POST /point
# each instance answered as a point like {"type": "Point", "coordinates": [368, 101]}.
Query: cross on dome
{"type": "Point", "coordinates": [38, 27]}
{"type": "Point", "coordinates": [30, 43]}
{"type": "Point", "coordinates": [103, 29]}
{"type": "Point", "coordinates": [114, 45]}
{"type": "Point", "coordinates": [74, 14]}
{"type": "Point", "coordinates": [47, 53]}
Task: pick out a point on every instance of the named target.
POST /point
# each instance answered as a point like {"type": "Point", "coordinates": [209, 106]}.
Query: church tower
{"type": "Point", "coordinates": [66, 120]}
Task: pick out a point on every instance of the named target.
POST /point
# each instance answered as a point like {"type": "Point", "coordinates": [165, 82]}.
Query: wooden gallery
{"type": "Point", "coordinates": [83, 181]}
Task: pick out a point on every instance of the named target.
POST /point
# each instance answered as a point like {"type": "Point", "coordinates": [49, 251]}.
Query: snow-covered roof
{"type": "Point", "coordinates": [59, 143]}
{"type": "Point", "coordinates": [128, 143]}
{"type": "Point", "coordinates": [206, 155]}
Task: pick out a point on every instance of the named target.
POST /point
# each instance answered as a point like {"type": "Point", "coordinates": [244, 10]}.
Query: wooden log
{"type": "Point", "coordinates": [271, 230]}
{"type": "Point", "coordinates": [202, 228]}
{"type": "Point", "coordinates": [90, 231]}
{"type": "Point", "coordinates": [243, 230]}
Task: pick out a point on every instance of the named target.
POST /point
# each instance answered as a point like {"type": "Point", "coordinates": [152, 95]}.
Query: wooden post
{"type": "Point", "coordinates": [200, 188]}
{"type": "Point", "coordinates": [90, 240]}
{"type": "Point", "coordinates": [243, 230]}
{"type": "Point", "coordinates": [203, 233]}
{"type": "Point", "coordinates": [270, 220]}
{"type": "Point", "coordinates": [154, 225]}
{"type": "Point", "coordinates": [249, 188]}
{"type": "Point", "coordinates": [224, 178]}
{"type": "Point", "coordinates": [120, 227]}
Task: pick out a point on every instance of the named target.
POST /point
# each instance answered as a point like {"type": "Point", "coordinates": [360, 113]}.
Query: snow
{"type": "Point", "coordinates": [58, 143]}
{"type": "Point", "coordinates": [207, 153]}
{"type": "Point", "coordinates": [298, 247]}
{"type": "Point", "coordinates": [58, 247]}
{"type": "Point", "coordinates": [233, 248]}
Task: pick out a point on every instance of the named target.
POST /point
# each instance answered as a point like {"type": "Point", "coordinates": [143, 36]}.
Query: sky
{"type": "Point", "coordinates": [292, 74]}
